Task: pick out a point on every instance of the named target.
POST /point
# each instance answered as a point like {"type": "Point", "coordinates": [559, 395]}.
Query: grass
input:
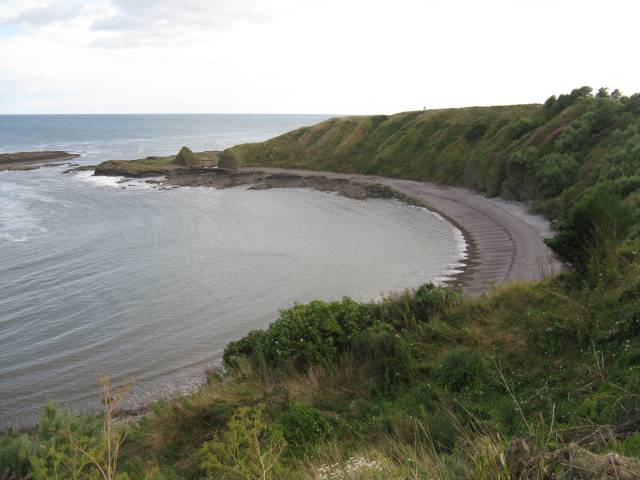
{"type": "Point", "coordinates": [156, 165]}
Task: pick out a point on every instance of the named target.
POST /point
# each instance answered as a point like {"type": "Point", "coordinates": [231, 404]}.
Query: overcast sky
{"type": "Point", "coordinates": [308, 56]}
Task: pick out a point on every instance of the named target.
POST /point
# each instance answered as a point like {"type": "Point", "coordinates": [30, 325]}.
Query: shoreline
{"type": "Point", "coordinates": [504, 242]}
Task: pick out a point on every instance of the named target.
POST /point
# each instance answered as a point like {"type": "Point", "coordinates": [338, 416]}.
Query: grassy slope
{"type": "Point", "coordinates": [428, 145]}
{"type": "Point", "coordinates": [482, 148]}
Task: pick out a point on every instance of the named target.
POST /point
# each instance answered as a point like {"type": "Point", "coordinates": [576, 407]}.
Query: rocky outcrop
{"type": "Point", "coordinates": [27, 160]}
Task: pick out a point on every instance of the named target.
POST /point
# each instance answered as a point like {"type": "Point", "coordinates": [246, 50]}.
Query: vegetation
{"type": "Point", "coordinates": [186, 157]}
{"type": "Point", "coordinates": [531, 381]}
{"type": "Point", "coordinates": [154, 165]}
{"type": "Point", "coordinates": [548, 154]}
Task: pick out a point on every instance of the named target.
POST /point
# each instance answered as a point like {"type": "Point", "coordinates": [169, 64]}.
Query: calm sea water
{"type": "Point", "coordinates": [150, 284]}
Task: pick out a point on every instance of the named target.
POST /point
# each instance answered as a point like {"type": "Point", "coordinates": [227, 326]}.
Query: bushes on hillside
{"type": "Point", "coordinates": [313, 333]}
{"type": "Point", "coordinates": [598, 220]}
{"type": "Point", "coordinates": [462, 369]}
{"type": "Point", "coordinates": [387, 356]}
{"type": "Point", "coordinates": [521, 126]}
{"type": "Point", "coordinates": [554, 106]}
{"type": "Point", "coordinates": [303, 426]}
{"type": "Point", "coordinates": [477, 130]}
{"type": "Point", "coordinates": [248, 448]}
{"type": "Point", "coordinates": [554, 173]}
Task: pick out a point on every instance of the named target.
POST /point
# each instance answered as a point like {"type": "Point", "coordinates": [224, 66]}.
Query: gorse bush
{"type": "Point", "coordinates": [554, 173]}
{"type": "Point", "coordinates": [599, 220]}
{"type": "Point", "coordinates": [303, 426]}
{"type": "Point", "coordinates": [462, 369]}
{"type": "Point", "coordinates": [522, 126]}
{"type": "Point", "coordinates": [314, 333]}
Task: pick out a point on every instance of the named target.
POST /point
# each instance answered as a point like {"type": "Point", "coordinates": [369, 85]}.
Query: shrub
{"type": "Point", "coordinates": [573, 137]}
{"type": "Point", "coordinates": [599, 218]}
{"type": "Point", "coordinates": [626, 185]}
{"type": "Point", "coordinates": [313, 333]}
{"type": "Point", "coordinates": [303, 426]}
{"type": "Point", "coordinates": [462, 369]}
{"type": "Point", "coordinates": [246, 449]}
{"type": "Point", "coordinates": [601, 113]}
{"type": "Point", "coordinates": [477, 130]}
{"type": "Point", "coordinates": [15, 452]}
{"type": "Point", "coordinates": [388, 356]}
{"type": "Point", "coordinates": [554, 173]}
{"type": "Point", "coordinates": [522, 126]}
{"type": "Point", "coordinates": [429, 300]}
{"type": "Point", "coordinates": [442, 430]}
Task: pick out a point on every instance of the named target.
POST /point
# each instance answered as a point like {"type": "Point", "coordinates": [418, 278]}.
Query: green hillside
{"type": "Point", "coordinates": [545, 153]}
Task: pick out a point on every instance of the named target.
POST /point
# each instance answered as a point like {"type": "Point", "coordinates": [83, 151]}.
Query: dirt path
{"type": "Point", "coordinates": [505, 242]}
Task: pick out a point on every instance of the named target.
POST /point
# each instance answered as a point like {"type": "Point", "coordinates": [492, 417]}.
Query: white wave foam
{"type": "Point", "coordinates": [119, 181]}
{"type": "Point", "coordinates": [99, 180]}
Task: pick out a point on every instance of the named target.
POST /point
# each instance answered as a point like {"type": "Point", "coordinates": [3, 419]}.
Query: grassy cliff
{"type": "Point", "coordinates": [544, 153]}
{"type": "Point", "coordinates": [531, 381]}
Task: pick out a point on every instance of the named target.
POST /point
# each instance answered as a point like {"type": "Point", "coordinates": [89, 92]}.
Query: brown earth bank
{"type": "Point", "coordinates": [32, 160]}
{"type": "Point", "coordinates": [505, 243]}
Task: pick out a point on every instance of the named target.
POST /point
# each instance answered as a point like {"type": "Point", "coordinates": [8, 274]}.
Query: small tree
{"type": "Point", "coordinates": [248, 449]}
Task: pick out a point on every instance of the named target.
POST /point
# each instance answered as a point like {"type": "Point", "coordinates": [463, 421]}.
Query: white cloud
{"type": "Point", "coordinates": [324, 56]}
{"type": "Point", "coordinates": [58, 11]}
{"type": "Point", "coordinates": [166, 22]}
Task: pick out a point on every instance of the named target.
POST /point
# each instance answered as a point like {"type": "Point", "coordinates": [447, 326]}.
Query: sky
{"type": "Point", "coordinates": [308, 56]}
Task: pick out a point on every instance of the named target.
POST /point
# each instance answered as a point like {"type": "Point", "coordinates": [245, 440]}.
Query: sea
{"type": "Point", "coordinates": [146, 284]}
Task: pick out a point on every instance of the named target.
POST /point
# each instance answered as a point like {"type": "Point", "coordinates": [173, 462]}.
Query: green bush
{"type": "Point", "coordinates": [15, 452]}
{"type": "Point", "coordinates": [554, 173]}
{"type": "Point", "coordinates": [599, 219]}
{"type": "Point", "coordinates": [303, 427]}
{"type": "Point", "coordinates": [429, 300]}
{"type": "Point", "coordinates": [388, 356]}
{"type": "Point", "coordinates": [477, 130]}
{"type": "Point", "coordinates": [521, 126]}
{"type": "Point", "coordinates": [313, 333]}
{"type": "Point", "coordinates": [574, 137]}
{"type": "Point", "coordinates": [462, 369]}
{"type": "Point", "coordinates": [442, 430]}
{"type": "Point", "coordinates": [246, 449]}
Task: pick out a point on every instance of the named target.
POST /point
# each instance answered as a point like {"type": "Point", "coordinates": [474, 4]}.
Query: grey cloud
{"type": "Point", "coordinates": [161, 22]}
{"type": "Point", "coordinates": [61, 11]}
